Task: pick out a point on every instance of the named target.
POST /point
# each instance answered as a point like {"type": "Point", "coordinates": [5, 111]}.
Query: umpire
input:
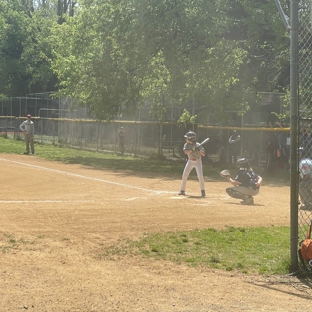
{"type": "Point", "coordinates": [305, 184]}
{"type": "Point", "coordinates": [234, 146]}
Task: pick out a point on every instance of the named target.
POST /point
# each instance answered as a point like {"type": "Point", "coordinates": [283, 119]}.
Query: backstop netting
{"type": "Point", "coordinates": [305, 115]}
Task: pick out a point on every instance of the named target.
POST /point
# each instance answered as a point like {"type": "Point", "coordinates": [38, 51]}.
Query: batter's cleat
{"type": "Point", "coordinates": [181, 193]}
{"type": "Point", "coordinates": [203, 193]}
{"type": "Point", "coordinates": [25, 153]}
{"type": "Point", "coordinates": [248, 201]}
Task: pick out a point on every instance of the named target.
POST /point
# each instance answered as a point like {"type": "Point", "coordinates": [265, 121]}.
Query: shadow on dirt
{"type": "Point", "coordinates": [166, 168]}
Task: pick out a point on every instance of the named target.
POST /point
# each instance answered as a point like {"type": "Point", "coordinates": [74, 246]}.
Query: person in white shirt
{"type": "Point", "coordinates": [28, 128]}
{"type": "Point", "coordinates": [194, 152]}
{"type": "Point", "coordinates": [305, 184]}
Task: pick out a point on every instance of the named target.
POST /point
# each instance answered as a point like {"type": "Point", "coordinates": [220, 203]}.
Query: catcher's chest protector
{"type": "Point", "coordinates": [305, 250]}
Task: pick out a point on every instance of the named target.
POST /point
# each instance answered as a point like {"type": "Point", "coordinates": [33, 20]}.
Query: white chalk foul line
{"type": "Point", "coordinates": [42, 201]}
{"type": "Point", "coordinates": [155, 192]}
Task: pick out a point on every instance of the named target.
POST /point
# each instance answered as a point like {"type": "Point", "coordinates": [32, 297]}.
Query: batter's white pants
{"type": "Point", "coordinates": [198, 165]}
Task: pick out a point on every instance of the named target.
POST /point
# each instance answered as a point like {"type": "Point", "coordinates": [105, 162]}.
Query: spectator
{"type": "Point", "coordinates": [272, 147]}
{"type": "Point", "coordinates": [234, 147]}
{"type": "Point", "coordinates": [283, 147]}
{"type": "Point", "coordinates": [28, 128]}
{"type": "Point", "coordinates": [305, 139]}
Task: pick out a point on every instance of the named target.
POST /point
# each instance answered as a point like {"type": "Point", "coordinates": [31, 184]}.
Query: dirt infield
{"type": "Point", "coordinates": [56, 217]}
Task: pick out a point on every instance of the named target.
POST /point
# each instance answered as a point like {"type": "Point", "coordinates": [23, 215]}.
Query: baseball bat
{"type": "Point", "coordinates": [204, 142]}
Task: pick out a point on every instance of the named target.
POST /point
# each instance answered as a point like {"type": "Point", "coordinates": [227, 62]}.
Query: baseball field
{"type": "Point", "coordinates": [56, 219]}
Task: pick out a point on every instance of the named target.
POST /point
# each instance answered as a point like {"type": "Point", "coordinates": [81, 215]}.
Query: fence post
{"type": "Point", "coordinates": [294, 135]}
{"type": "Point", "coordinates": [160, 140]}
{"type": "Point", "coordinates": [53, 131]}
{"type": "Point", "coordinates": [260, 150]}
{"type": "Point", "coordinates": [81, 134]}
{"type": "Point", "coordinates": [97, 135]}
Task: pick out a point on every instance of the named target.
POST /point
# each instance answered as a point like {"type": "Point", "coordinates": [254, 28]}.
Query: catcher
{"type": "Point", "coordinates": [246, 183]}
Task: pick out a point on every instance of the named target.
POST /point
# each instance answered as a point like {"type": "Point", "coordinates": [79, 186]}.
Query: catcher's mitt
{"type": "Point", "coordinates": [225, 173]}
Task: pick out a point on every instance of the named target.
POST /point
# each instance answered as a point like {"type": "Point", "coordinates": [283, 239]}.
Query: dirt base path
{"type": "Point", "coordinates": [55, 219]}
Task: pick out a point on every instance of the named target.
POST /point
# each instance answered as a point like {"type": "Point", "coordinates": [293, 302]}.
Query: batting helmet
{"type": "Point", "coordinates": [191, 136]}
{"type": "Point", "coordinates": [242, 163]}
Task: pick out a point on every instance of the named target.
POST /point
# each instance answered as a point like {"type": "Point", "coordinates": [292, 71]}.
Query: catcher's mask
{"type": "Point", "coordinates": [191, 136]}
{"type": "Point", "coordinates": [242, 163]}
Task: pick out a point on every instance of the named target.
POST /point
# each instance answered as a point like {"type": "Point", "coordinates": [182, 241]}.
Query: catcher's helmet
{"type": "Point", "coordinates": [191, 136]}
{"type": "Point", "coordinates": [242, 163]}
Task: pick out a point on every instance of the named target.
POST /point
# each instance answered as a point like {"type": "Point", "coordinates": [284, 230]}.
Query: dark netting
{"type": "Point", "coordinates": [305, 117]}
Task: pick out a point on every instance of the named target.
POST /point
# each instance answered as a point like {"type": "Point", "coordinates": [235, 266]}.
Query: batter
{"type": "Point", "coordinates": [195, 152]}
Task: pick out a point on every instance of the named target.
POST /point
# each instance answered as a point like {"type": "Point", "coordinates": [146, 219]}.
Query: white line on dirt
{"type": "Point", "coordinates": [134, 198]}
{"type": "Point", "coordinates": [42, 201]}
{"type": "Point", "coordinates": [86, 177]}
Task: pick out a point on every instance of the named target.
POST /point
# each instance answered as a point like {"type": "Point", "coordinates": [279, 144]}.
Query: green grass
{"type": "Point", "coordinates": [109, 161]}
{"type": "Point", "coordinates": [248, 250]}
{"type": "Point", "coordinates": [8, 242]}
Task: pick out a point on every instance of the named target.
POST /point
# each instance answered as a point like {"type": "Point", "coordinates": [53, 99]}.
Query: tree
{"type": "Point", "coordinates": [111, 50]}
{"type": "Point", "coordinates": [14, 25]}
{"type": "Point", "coordinates": [114, 55]}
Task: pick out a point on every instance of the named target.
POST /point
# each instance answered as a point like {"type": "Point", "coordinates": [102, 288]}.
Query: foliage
{"type": "Point", "coordinates": [121, 54]}
{"type": "Point", "coordinates": [23, 49]}
{"type": "Point", "coordinates": [113, 56]}
{"type": "Point", "coordinates": [13, 30]}
{"type": "Point", "coordinates": [285, 114]}
{"type": "Point", "coordinates": [186, 118]}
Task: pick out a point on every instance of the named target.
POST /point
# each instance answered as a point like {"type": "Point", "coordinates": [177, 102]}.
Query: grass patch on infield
{"type": "Point", "coordinates": [262, 250]}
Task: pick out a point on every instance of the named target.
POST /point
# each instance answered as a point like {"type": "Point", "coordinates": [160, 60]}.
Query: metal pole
{"type": "Point", "coordinates": [284, 17]}
{"type": "Point", "coordinates": [293, 136]}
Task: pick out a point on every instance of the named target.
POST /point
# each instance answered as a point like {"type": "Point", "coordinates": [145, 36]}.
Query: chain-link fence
{"type": "Point", "coordinates": [266, 148]}
{"type": "Point", "coordinates": [305, 116]}
{"type": "Point", "coordinates": [47, 105]}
